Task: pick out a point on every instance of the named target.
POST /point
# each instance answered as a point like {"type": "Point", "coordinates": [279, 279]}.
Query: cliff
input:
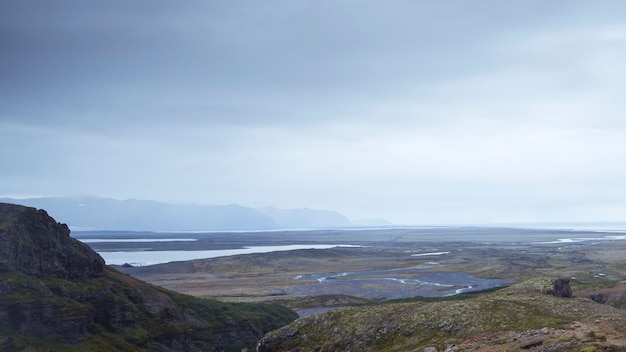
{"type": "Point", "coordinates": [32, 242]}
{"type": "Point", "coordinates": [57, 294]}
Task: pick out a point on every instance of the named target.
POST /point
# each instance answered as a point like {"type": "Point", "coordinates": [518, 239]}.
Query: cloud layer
{"type": "Point", "coordinates": [415, 111]}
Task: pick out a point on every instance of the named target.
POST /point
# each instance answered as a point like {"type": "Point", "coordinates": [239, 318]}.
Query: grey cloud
{"type": "Point", "coordinates": [112, 54]}
{"type": "Point", "coordinates": [401, 109]}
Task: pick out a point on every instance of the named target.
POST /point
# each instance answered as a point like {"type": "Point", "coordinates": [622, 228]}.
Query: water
{"type": "Point", "coordinates": [144, 248]}
{"type": "Point", "coordinates": [131, 240]}
{"type": "Point", "coordinates": [584, 239]}
{"type": "Point", "coordinates": [394, 283]}
{"type": "Point", "coordinates": [150, 257]}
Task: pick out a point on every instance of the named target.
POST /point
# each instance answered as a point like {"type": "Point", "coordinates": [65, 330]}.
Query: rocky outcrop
{"type": "Point", "coordinates": [56, 291]}
{"type": "Point", "coordinates": [598, 298]}
{"type": "Point", "coordinates": [34, 243]}
{"type": "Point", "coordinates": [562, 288]}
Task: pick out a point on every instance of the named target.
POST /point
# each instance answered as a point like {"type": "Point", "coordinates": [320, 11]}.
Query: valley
{"type": "Point", "coordinates": [465, 289]}
{"type": "Point", "coordinates": [390, 264]}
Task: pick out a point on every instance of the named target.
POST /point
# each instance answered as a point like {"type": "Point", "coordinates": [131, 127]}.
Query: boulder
{"type": "Point", "coordinates": [598, 298]}
{"type": "Point", "coordinates": [562, 288]}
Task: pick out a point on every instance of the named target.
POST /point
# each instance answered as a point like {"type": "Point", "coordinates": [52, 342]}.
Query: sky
{"type": "Point", "coordinates": [417, 112]}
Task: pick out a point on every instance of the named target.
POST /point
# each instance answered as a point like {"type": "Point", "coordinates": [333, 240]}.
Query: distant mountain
{"type": "Point", "coordinates": [145, 215]}
{"type": "Point", "coordinates": [305, 218]}
{"type": "Point", "coordinates": [95, 213]}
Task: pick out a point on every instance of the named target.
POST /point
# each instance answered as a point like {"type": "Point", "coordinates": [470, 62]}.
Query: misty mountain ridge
{"type": "Point", "coordinates": [305, 217]}
{"type": "Point", "coordinates": [97, 213]}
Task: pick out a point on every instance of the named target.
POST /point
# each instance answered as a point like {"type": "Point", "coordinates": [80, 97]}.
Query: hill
{"type": "Point", "coordinates": [521, 317]}
{"type": "Point", "coordinates": [57, 294]}
{"type": "Point", "coordinates": [95, 213]}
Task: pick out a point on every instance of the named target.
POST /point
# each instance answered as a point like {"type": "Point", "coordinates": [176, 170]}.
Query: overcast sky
{"type": "Point", "coordinates": [418, 112]}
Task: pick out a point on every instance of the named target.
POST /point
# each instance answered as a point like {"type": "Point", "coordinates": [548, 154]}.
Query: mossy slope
{"type": "Point", "coordinates": [47, 303]}
{"type": "Point", "coordinates": [494, 317]}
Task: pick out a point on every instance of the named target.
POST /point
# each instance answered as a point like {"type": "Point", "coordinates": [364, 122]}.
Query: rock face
{"type": "Point", "coordinates": [56, 291]}
{"type": "Point", "coordinates": [37, 245]}
{"type": "Point", "coordinates": [562, 288]}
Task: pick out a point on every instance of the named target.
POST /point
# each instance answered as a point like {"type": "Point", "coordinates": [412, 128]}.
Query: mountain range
{"type": "Point", "coordinates": [96, 213]}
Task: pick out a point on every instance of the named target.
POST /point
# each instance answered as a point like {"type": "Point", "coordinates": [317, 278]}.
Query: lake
{"type": "Point", "coordinates": [150, 257]}
{"type": "Point", "coordinates": [148, 248]}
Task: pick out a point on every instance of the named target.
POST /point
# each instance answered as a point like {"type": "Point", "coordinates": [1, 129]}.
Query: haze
{"type": "Point", "coordinates": [418, 112]}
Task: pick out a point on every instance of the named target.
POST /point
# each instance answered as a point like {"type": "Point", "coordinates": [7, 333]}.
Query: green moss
{"type": "Point", "coordinates": [409, 325]}
{"type": "Point", "coordinates": [122, 299]}
{"type": "Point", "coordinates": [588, 349]}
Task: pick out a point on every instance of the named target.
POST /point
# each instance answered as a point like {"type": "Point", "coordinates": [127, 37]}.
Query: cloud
{"type": "Point", "coordinates": [426, 112]}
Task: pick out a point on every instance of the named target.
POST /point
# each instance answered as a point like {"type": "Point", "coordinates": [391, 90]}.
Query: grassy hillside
{"type": "Point", "coordinates": [57, 295]}
{"type": "Point", "coordinates": [521, 317]}
{"type": "Point", "coordinates": [119, 313]}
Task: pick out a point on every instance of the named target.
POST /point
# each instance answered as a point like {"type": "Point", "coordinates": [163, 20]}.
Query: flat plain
{"type": "Point", "coordinates": [390, 264]}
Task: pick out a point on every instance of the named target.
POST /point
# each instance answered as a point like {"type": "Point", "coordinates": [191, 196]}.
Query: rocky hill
{"type": "Point", "coordinates": [521, 317]}
{"type": "Point", "coordinates": [35, 244]}
{"type": "Point", "coordinates": [57, 294]}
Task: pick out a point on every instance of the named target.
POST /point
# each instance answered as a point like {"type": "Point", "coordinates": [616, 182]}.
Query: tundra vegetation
{"type": "Point", "coordinates": [56, 294]}
{"type": "Point", "coordinates": [526, 315]}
